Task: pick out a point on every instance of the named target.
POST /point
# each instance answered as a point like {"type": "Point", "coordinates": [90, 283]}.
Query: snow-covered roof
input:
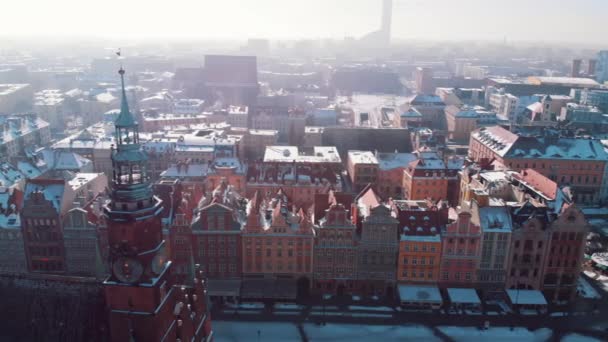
{"type": "Point", "coordinates": [321, 154]}
{"type": "Point", "coordinates": [463, 296]}
{"type": "Point", "coordinates": [15, 126]}
{"type": "Point", "coordinates": [53, 192]}
{"type": "Point", "coordinates": [508, 144]}
{"type": "Point", "coordinates": [106, 98]}
{"type": "Point", "coordinates": [526, 297]}
{"type": "Point", "coordinates": [62, 160]}
{"type": "Point", "coordinates": [495, 176]}
{"type": "Point", "coordinates": [496, 138]}
{"type": "Point", "coordinates": [362, 157]}
{"type": "Point", "coordinates": [421, 238]}
{"type": "Point", "coordinates": [390, 161]}
{"type": "Point", "coordinates": [430, 161]}
{"type": "Point", "coordinates": [425, 99]}
{"type": "Point", "coordinates": [600, 258]}
{"type": "Point", "coordinates": [11, 175]}
{"type": "Point", "coordinates": [412, 112]}
{"type": "Point", "coordinates": [563, 81]}
{"type": "Point", "coordinates": [473, 112]}
{"type": "Point", "coordinates": [226, 162]}
{"type": "Point", "coordinates": [82, 179]}
{"type": "Point", "coordinates": [424, 294]}
{"type": "Point", "coordinates": [495, 219]}
{"type": "Point", "coordinates": [455, 163]}
{"type": "Point", "coordinates": [11, 220]}
{"type": "Point", "coordinates": [191, 170]}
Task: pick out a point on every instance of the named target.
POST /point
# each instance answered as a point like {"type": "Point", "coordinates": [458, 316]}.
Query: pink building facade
{"type": "Point", "coordinates": [461, 251]}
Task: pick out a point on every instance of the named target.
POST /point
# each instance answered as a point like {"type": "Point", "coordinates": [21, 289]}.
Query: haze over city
{"type": "Point", "coordinates": [517, 20]}
{"type": "Point", "coordinates": [363, 170]}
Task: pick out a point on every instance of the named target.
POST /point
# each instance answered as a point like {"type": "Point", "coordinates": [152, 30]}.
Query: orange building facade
{"type": "Point", "coordinates": [419, 258]}
{"type": "Point", "coordinates": [427, 178]}
{"type": "Point", "coordinates": [276, 242]}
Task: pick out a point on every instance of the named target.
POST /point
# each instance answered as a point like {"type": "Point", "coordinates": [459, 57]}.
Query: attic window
{"type": "Point", "coordinates": [571, 218]}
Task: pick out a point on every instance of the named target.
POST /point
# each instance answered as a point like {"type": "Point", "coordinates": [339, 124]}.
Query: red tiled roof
{"type": "Point", "coordinates": [541, 183]}
{"type": "Point", "coordinates": [369, 198]}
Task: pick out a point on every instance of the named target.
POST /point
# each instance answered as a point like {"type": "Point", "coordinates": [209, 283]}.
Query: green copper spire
{"type": "Point", "coordinates": [130, 180]}
{"type": "Point", "coordinates": [125, 118]}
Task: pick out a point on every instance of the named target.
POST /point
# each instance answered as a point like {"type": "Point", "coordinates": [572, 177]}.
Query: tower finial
{"type": "Point", "coordinates": [124, 105]}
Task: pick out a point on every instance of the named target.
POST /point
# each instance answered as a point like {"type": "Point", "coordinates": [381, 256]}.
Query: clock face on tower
{"type": "Point", "coordinates": [159, 261]}
{"type": "Point", "coordinates": [127, 270]}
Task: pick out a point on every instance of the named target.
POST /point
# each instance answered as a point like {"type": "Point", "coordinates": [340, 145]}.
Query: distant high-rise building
{"type": "Point", "coordinates": [601, 68]}
{"type": "Point", "coordinates": [591, 65]}
{"type": "Point", "coordinates": [381, 38]}
{"type": "Point", "coordinates": [387, 20]}
{"type": "Point", "coordinates": [424, 81]}
{"type": "Point", "coordinates": [575, 71]}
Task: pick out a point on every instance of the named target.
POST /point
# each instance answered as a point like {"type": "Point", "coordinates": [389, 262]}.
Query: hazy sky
{"type": "Point", "coordinates": [550, 20]}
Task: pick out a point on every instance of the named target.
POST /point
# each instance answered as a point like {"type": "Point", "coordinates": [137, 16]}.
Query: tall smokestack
{"type": "Point", "coordinates": [575, 71]}
{"type": "Point", "coordinates": [387, 19]}
{"type": "Point", "coordinates": [591, 67]}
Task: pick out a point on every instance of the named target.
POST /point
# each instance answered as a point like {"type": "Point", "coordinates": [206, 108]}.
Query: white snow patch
{"type": "Point", "coordinates": [601, 280]}
{"type": "Point", "coordinates": [471, 334]}
{"type": "Point", "coordinates": [288, 306]}
{"type": "Point", "coordinates": [371, 308]}
{"type": "Point", "coordinates": [585, 289]}
{"type": "Point", "coordinates": [354, 333]}
{"type": "Point", "coordinates": [225, 331]}
{"type": "Point", "coordinates": [578, 338]}
{"type": "Point", "coordinates": [252, 305]}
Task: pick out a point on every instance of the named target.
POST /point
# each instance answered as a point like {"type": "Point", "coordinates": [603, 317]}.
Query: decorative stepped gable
{"type": "Point", "coordinates": [305, 224]}
{"type": "Point", "coordinates": [253, 214]}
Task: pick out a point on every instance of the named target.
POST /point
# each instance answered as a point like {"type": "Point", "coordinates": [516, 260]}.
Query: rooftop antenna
{"type": "Point", "coordinates": [119, 54]}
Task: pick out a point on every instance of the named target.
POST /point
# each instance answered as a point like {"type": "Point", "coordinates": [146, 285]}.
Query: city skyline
{"type": "Point", "coordinates": [303, 170]}
{"type": "Point", "coordinates": [273, 19]}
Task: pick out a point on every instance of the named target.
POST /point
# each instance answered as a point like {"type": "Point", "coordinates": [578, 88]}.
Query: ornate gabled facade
{"type": "Point", "coordinates": [335, 252]}
{"type": "Point", "coordinates": [496, 227]}
{"type": "Point", "coordinates": [528, 246]}
{"type": "Point", "coordinates": [143, 301]}
{"type": "Point", "coordinates": [565, 254]}
{"type": "Point", "coordinates": [216, 232]}
{"type": "Point", "coordinates": [42, 228]}
{"type": "Point", "coordinates": [420, 225]}
{"type": "Point", "coordinates": [377, 245]}
{"type": "Point", "coordinates": [461, 250]}
{"type": "Point", "coordinates": [277, 247]}
{"type": "Point", "coordinates": [83, 256]}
